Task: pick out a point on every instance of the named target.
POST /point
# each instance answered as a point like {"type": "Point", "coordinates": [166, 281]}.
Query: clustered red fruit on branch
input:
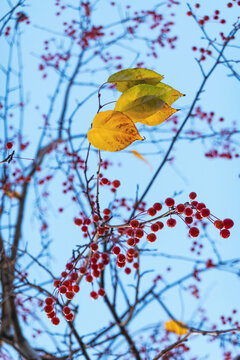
{"type": "Point", "coordinates": [125, 252]}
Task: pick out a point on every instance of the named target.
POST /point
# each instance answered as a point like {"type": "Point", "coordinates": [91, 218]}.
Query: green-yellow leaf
{"type": "Point", "coordinates": [160, 116]}
{"type": "Point", "coordinates": [128, 78]}
{"type": "Point", "coordinates": [112, 131]}
{"type": "Point", "coordinates": [176, 326]}
{"type": "Point", "coordinates": [169, 94]}
{"type": "Point", "coordinates": [141, 102]}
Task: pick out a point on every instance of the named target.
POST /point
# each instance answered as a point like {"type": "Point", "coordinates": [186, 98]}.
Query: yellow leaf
{"type": "Point", "coordinates": [160, 116]}
{"type": "Point", "coordinates": [139, 156]}
{"type": "Point", "coordinates": [142, 101]}
{"type": "Point", "coordinates": [125, 79]}
{"type": "Point", "coordinates": [176, 326]}
{"type": "Point", "coordinates": [112, 131]}
{"type": "Point", "coordinates": [13, 194]}
{"type": "Point", "coordinates": [169, 94]}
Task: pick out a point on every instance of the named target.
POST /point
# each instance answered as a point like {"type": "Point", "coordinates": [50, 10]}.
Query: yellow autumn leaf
{"type": "Point", "coordinates": [13, 194]}
{"type": "Point", "coordinates": [176, 327]}
{"type": "Point", "coordinates": [169, 94]}
{"type": "Point", "coordinates": [142, 101]}
{"type": "Point", "coordinates": [160, 116]}
{"type": "Point", "coordinates": [112, 131]}
{"type": "Point", "coordinates": [139, 156]}
{"type": "Point", "coordinates": [128, 78]}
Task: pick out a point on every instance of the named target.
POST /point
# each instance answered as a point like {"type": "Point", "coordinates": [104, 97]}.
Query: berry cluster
{"type": "Point", "coordinates": [123, 243]}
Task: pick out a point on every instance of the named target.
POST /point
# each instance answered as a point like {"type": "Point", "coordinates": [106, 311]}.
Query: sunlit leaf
{"type": "Point", "coordinates": [128, 78]}
{"type": "Point", "coordinates": [169, 94]}
{"type": "Point", "coordinates": [139, 156]}
{"type": "Point", "coordinates": [112, 131]}
{"type": "Point", "coordinates": [142, 101]}
{"type": "Point", "coordinates": [160, 116]}
{"type": "Point", "coordinates": [176, 327]}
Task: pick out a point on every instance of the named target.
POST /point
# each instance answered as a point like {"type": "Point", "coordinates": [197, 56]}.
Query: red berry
{"type": "Point", "coordinates": [76, 288]}
{"type": "Point", "coordinates": [218, 224]}
{"type": "Point", "coordinates": [169, 202]}
{"type": "Point", "coordinates": [131, 242]}
{"type": "Point", "coordinates": [127, 270]}
{"type": "Point", "coordinates": [69, 317]}
{"type": "Point", "coordinates": [107, 211]}
{"type": "Point", "coordinates": [222, 21]}
{"type": "Point", "coordinates": [201, 22]}
{"type": "Point", "coordinates": [134, 223]}
{"type": "Point", "coordinates": [130, 252]}
{"type": "Point", "coordinates": [66, 283]}
{"type": "Point", "coordinates": [160, 224]}
{"type": "Point", "coordinates": [197, 6]}
{"type": "Point", "coordinates": [101, 231]}
{"type": "Point", "coordinates": [136, 265]}
{"type": "Point", "coordinates": [157, 206]}
{"type": "Point", "coordinates": [77, 221]}
{"type": "Point", "coordinates": [96, 273]}
{"type": "Point", "coordinates": [82, 270]}
{"type": "Point", "coordinates": [95, 218]}
{"type": "Point", "coordinates": [89, 278]}
{"type": "Point", "coordinates": [62, 289]}
{"type": "Point", "coordinates": [48, 309]}
{"type": "Point", "coordinates": [151, 211]}
{"type": "Point", "coordinates": [139, 233]}
{"type": "Point", "coordinates": [116, 250]}
{"type": "Point", "coordinates": [69, 295]}
{"type": "Point", "coordinates": [194, 48]}
{"type": "Point", "coordinates": [228, 223]}
{"type": "Point", "coordinates": [101, 292]}
{"type": "Point", "coordinates": [224, 233]}
{"type": "Point", "coordinates": [84, 228]}
{"type": "Point", "coordinates": [74, 276]}
{"type": "Point", "coordinates": [188, 211]}
{"type": "Point", "coordinates": [121, 265]}
{"type": "Point", "coordinates": [49, 301]}
{"type": "Point", "coordinates": [105, 256]}
{"type": "Point", "coordinates": [121, 258]}
{"type": "Point", "coordinates": [130, 232]}
{"type": "Point", "coordinates": [205, 212]}
{"type": "Point", "coordinates": [180, 208]}
{"type": "Point", "coordinates": [116, 184]}
{"type": "Point", "coordinates": [200, 206]}
{"type": "Point", "coordinates": [171, 222]}
{"type": "Point", "coordinates": [104, 181]}
{"type": "Point", "coordinates": [229, 5]}
{"type": "Point", "coordinates": [194, 203]}
{"type": "Point", "coordinates": [69, 266]}
{"type": "Point", "coordinates": [189, 13]}
{"type": "Point", "coordinates": [55, 320]}
{"type": "Point", "coordinates": [94, 247]}
{"type": "Point", "coordinates": [51, 315]}
{"type": "Point", "coordinates": [94, 295]}
{"type": "Point", "coordinates": [9, 145]}
{"type": "Point", "coordinates": [198, 216]}
{"type": "Point", "coordinates": [64, 274]}
{"type": "Point", "coordinates": [56, 283]}
{"type": "Point", "coordinates": [188, 220]}
{"type": "Point", "coordinates": [66, 310]}
{"type": "Point", "coordinates": [154, 227]}
{"type": "Point", "coordinates": [151, 237]}
{"type": "Point", "coordinates": [194, 232]}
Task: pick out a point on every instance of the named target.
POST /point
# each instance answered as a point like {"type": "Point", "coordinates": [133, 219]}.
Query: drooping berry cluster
{"type": "Point", "coordinates": [123, 244]}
